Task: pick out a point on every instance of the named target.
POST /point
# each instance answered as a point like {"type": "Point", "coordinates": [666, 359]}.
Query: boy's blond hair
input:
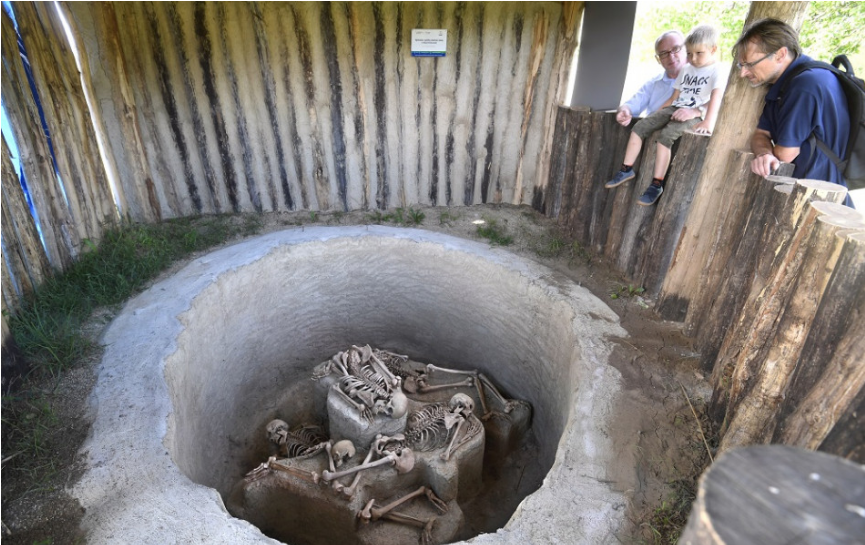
{"type": "Point", "coordinates": [702, 35]}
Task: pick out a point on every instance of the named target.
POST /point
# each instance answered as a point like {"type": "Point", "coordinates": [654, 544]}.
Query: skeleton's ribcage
{"type": "Point", "coordinates": [301, 441]}
{"type": "Point", "coordinates": [425, 429]}
{"type": "Point", "coordinates": [362, 388]}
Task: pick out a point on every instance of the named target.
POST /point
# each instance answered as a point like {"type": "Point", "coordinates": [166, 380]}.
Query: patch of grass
{"type": "Point", "coordinates": [446, 218]}
{"type": "Point", "coordinates": [415, 217]}
{"type": "Point", "coordinates": [47, 327]}
{"type": "Point", "coordinates": [377, 217]}
{"type": "Point", "coordinates": [493, 232]}
{"type": "Point", "coordinates": [626, 291]}
{"type": "Point", "coordinates": [336, 216]}
{"type": "Point", "coordinates": [313, 216]}
{"type": "Point", "coordinates": [552, 246]}
{"type": "Point", "coordinates": [668, 520]}
{"type": "Point", "coordinates": [579, 252]}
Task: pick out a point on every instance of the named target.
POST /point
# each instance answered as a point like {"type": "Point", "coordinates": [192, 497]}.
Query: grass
{"type": "Point", "coordinates": [47, 328]}
{"type": "Point", "coordinates": [668, 520]}
{"type": "Point", "coordinates": [400, 216]}
{"type": "Point", "coordinates": [494, 233]}
{"type": "Point", "coordinates": [626, 291]}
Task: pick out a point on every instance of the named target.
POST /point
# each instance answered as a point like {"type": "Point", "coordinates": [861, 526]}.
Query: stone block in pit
{"type": "Point", "coordinates": [345, 422]}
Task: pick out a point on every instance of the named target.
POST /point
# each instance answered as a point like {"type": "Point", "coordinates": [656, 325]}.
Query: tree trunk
{"type": "Point", "coordinates": [737, 119]}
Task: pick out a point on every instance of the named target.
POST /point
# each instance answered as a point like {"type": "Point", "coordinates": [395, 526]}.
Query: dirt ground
{"type": "Point", "coordinates": [656, 361]}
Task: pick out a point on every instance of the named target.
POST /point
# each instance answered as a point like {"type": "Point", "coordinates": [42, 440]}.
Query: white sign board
{"type": "Point", "coordinates": [429, 42]}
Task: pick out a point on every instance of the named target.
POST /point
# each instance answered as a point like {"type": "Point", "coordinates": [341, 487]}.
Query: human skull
{"type": "Point", "coordinates": [342, 451]}
{"type": "Point", "coordinates": [398, 405]}
{"type": "Point", "coordinates": [462, 403]}
{"type": "Point", "coordinates": [277, 432]}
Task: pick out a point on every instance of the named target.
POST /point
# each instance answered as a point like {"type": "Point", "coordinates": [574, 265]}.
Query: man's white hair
{"type": "Point", "coordinates": [669, 33]}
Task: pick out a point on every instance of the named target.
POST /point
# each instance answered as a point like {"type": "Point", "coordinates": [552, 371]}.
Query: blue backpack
{"type": "Point", "coordinates": [852, 166]}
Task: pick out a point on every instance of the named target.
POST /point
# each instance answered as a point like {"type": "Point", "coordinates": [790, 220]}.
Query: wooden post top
{"type": "Point", "coordinates": [774, 494]}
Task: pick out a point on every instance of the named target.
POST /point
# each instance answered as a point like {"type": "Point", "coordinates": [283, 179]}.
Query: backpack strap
{"type": "Point", "coordinates": [813, 140]}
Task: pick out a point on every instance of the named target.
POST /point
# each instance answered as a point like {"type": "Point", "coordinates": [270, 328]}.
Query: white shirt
{"type": "Point", "coordinates": [651, 96]}
{"type": "Point", "coordinates": [695, 86]}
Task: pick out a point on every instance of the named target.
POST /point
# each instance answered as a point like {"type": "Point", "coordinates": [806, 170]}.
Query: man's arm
{"type": "Point", "coordinates": [768, 157]}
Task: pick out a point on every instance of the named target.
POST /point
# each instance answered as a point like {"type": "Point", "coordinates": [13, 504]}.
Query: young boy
{"type": "Point", "coordinates": [694, 105]}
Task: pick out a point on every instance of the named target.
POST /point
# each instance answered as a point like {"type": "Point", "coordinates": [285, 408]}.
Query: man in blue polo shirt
{"type": "Point", "coordinates": [670, 54]}
{"type": "Point", "coordinates": [814, 103]}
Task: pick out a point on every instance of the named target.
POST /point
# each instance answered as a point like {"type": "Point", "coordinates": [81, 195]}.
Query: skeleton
{"type": "Point", "coordinates": [370, 513]}
{"type": "Point", "coordinates": [401, 458]}
{"type": "Point", "coordinates": [303, 442]}
{"type": "Point", "coordinates": [480, 381]}
{"type": "Point", "coordinates": [366, 383]}
{"type": "Point", "coordinates": [435, 426]}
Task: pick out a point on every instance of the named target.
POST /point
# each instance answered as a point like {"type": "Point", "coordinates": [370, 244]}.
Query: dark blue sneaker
{"type": "Point", "coordinates": [620, 178]}
{"type": "Point", "coordinates": [650, 195]}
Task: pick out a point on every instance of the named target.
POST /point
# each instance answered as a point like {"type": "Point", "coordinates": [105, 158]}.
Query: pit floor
{"type": "Point", "coordinates": [656, 361]}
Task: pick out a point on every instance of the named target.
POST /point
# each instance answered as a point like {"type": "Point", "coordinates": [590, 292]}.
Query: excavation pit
{"type": "Point", "coordinates": [196, 367]}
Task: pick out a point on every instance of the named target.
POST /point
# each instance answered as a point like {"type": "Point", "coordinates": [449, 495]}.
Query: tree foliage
{"type": "Point", "coordinates": [829, 28]}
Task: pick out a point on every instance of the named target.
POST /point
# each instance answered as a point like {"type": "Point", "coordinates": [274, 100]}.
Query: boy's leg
{"type": "Point", "coordinates": [668, 136]}
{"type": "Point", "coordinates": [640, 132]}
{"type": "Point", "coordinates": [662, 161]}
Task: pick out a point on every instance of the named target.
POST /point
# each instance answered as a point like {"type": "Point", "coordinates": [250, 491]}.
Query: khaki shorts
{"type": "Point", "coordinates": [670, 130]}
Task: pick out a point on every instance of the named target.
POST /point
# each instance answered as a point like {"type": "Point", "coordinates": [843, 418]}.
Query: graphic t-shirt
{"type": "Point", "coordinates": [695, 86]}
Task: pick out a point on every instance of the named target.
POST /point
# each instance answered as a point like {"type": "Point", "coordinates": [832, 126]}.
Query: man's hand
{"type": "Point", "coordinates": [623, 115]}
{"type": "Point", "coordinates": [764, 165]}
{"type": "Point", "coordinates": [684, 114]}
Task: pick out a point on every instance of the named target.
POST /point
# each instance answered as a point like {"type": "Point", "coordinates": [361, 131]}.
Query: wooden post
{"type": "Point", "coordinates": [774, 495]}
{"type": "Point", "coordinates": [754, 419]}
{"type": "Point", "coordinates": [745, 344]}
{"type": "Point", "coordinates": [830, 373]}
{"type": "Point", "coordinates": [738, 272]}
{"type": "Point", "coordinates": [737, 119]}
{"type": "Point", "coordinates": [656, 251]}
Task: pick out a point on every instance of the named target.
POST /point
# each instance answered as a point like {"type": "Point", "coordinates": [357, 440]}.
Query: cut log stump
{"type": "Point", "coordinates": [773, 495]}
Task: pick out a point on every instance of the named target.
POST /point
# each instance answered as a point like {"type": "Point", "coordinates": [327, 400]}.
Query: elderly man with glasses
{"type": "Point", "coordinates": [812, 104]}
{"type": "Point", "coordinates": [670, 54]}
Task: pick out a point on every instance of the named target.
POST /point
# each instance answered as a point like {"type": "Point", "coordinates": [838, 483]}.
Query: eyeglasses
{"type": "Point", "coordinates": [664, 54]}
{"type": "Point", "coordinates": [750, 65]}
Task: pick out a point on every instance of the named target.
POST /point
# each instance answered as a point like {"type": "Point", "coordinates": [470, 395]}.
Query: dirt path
{"type": "Point", "coordinates": [656, 363]}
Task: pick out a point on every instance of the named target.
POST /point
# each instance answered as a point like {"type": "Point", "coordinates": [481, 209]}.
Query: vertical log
{"type": "Point", "coordinates": [656, 252]}
{"type": "Point", "coordinates": [754, 419]}
{"type": "Point", "coordinates": [60, 235]}
{"type": "Point", "coordinates": [737, 119]}
{"type": "Point", "coordinates": [739, 270]}
{"type": "Point", "coordinates": [744, 345]}
{"type": "Point", "coordinates": [105, 67]}
{"type": "Point", "coordinates": [830, 373]}
{"type": "Point", "coordinates": [575, 173]}
{"type": "Point", "coordinates": [626, 215]}
{"type": "Point", "coordinates": [26, 256]}
{"type": "Point", "coordinates": [544, 195]}
{"type": "Point", "coordinates": [79, 164]}
{"type": "Point", "coordinates": [614, 139]}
